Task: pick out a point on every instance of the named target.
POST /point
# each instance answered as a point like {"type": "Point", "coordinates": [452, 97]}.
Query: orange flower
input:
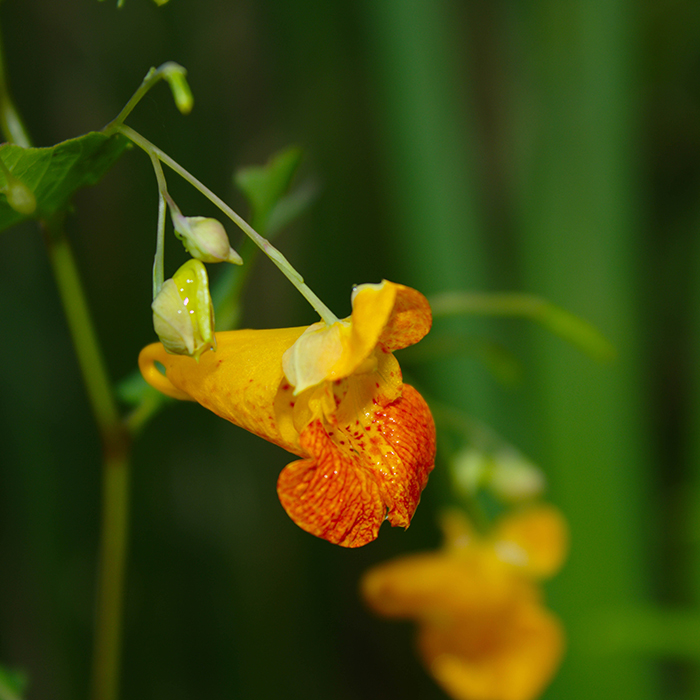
{"type": "Point", "coordinates": [483, 632]}
{"type": "Point", "coordinates": [331, 394]}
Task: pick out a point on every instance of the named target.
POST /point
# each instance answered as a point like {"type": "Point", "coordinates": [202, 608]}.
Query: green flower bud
{"type": "Point", "coordinates": [204, 238]}
{"type": "Point", "coordinates": [469, 469]}
{"type": "Point", "coordinates": [183, 314]}
{"type": "Point", "coordinates": [20, 197]}
{"type": "Point", "coordinates": [175, 74]}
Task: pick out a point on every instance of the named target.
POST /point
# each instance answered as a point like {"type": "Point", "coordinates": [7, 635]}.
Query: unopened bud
{"type": "Point", "coordinates": [20, 197]}
{"type": "Point", "coordinates": [470, 468]}
{"type": "Point", "coordinates": [514, 478]}
{"type": "Point", "coordinates": [204, 238]}
{"type": "Point", "coordinates": [183, 314]}
{"type": "Point", "coordinates": [175, 74]}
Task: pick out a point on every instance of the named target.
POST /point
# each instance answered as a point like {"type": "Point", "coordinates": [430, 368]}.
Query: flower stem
{"type": "Point", "coordinates": [112, 565]}
{"type": "Point", "coordinates": [168, 71]}
{"type": "Point", "coordinates": [10, 122]}
{"type": "Point", "coordinates": [158, 261]}
{"type": "Point", "coordinates": [277, 258]}
{"type": "Point", "coordinates": [116, 446]}
{"type": "Point", "coordinates": [115, 438]}
{"type": "Point", "coordinates": [557, 320]}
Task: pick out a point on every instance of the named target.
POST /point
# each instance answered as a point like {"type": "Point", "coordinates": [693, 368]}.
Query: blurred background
{"type": "Point", "coordinates": [546, 147]}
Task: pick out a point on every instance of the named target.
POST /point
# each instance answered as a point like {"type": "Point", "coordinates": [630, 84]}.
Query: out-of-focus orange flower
{"type": "Point", "coordinates": [331, 394]}
{"type": "Point", "coordinates": [483, 632]}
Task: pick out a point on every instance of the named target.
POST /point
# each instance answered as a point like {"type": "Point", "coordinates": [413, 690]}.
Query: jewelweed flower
{"type": "Point", "coordinates": [483, 631]}
{"type": "Point", "coordinates": [333, 395]}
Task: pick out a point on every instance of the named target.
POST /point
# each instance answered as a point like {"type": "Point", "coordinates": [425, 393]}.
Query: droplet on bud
{"type": "Point", "coordinates": [183, 313]}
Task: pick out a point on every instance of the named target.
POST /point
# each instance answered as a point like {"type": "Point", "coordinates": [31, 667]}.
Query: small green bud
{"type": "Point", "coordinates": [175, 74]}
{"type": "Point", "coordinates": [20, 197]}
{"type": "Point", "coordinates": [183, 313]}
{"type": "Point", "coordinates": [469, 469]}
{"type": "Point", "coordinates": [204, 238]}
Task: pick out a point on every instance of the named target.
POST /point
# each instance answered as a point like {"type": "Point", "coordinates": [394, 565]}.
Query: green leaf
{"type": "Point", "coordinates": [55, 173]}
{"type": "Point", "coordinates": [12, 684]}
{"type": "Point", "coordinates": [264, 186]}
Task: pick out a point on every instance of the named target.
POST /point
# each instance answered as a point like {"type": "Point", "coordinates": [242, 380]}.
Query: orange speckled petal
{"type": "Point", "coordinates": [343, 493]}
{"type": "Point", "coordinates": [330, 495]}
{"type": "Point", "coordinates": [410, 320]}
{"type": "Point", "coordinates": [408, 428]}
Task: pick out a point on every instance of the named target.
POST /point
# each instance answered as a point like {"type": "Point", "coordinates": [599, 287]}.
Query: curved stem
{"type": "Point", "coordinates": [158, 261]}
{"type": "Point", "coordinates": [557, 320]}
{"type": "Point", "coordinates": [170, 71]}
{"type": "Point", "coordinates": [277, 258]}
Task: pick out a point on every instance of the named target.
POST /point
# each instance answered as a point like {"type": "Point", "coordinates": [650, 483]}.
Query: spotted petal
{"type": "Point", "coordinates": [358, 475]}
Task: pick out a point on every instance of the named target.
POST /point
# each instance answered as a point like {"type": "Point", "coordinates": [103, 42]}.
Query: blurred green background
{"type": "Point", "coordinates": [547, 147]}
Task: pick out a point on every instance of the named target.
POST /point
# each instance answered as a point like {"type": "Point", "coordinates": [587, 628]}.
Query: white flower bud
{"type": "Point", "coordinates": [204, 238]}
{"type": "Point", "coordinates": [514, 478]}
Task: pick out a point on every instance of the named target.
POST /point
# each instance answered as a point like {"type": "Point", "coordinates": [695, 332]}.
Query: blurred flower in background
{"type": "Point", "coordinates": [484, 633]}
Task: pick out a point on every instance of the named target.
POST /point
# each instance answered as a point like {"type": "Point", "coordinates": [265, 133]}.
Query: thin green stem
{"type": "Point", "coordinates": [168, 71]}
{"type": "Point", "coordinates": [116, 450]}
{"type": "Point", "coordinates": [557, 320]}
{"type": "Point", "coordinates": [115, 439]}
{"type": "Point", "coordinates": [10, 122]}
{"type": "Point", "coordinates": [649, 630]}
{"type": "Point", "coordinates": [277, 258]}
{"type": "Point", "coordinates": [112, 566]}
{"type": "Point", "coordinates": [158, 261]}
{"type": "Point", "coordinates": [81, 328]}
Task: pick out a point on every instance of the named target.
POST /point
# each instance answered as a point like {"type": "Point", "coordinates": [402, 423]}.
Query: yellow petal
{"type": "Point", "coordinates": [512, 656]}
{"type": "Point", "coordinates": [540, 533]}
{"type": "Point", "coordinates": [313, 356]}
{"type": "Point", "coordinates": [238, 382]}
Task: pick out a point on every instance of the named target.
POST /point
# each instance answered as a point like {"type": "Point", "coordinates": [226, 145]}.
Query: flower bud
{"type": "Point", "coordinates": [470, 468]}
{"type": "Point", "coordinates": [175, 74]}
{"type": "Point", "coordinates": [504, 472]}
{"type": "Point", "coordinates": [20, 197]}
{"type": "Point", "coordinates": [514, 478]}
{"type": "Point", "coordinates": [183, 314]}
{"type": "Point", "coordinates": [204, 238]}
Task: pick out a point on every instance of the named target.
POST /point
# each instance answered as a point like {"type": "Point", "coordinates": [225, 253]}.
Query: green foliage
{"type": "Point", "coordinates": [13, 684]}
{"type": "Point", "coordinates": [54, 174]}
{"type": "Point", "coordinates": [265, 187]}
